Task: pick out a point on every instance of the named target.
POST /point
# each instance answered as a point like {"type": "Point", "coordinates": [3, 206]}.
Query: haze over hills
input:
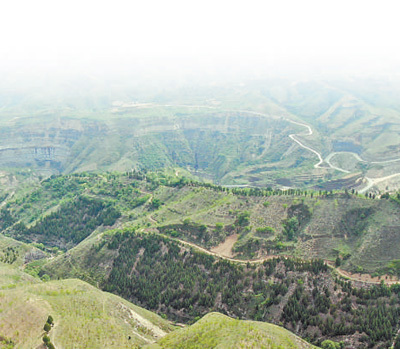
{"type": "Point", "coordinates": [210, 174]}
{"type": "Point", "coordinates": [308, 134]}
{"type": "Point", "coordinates": [266, 200]}
{"type": "Point", "coordinates": [239, 184]}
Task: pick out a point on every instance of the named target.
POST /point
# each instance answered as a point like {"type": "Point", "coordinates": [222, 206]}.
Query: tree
{"type": "Point", "coordinates": [243, 218]}
{"type": "Point", "coordinates": [46, 339]}
{"type": "Point", "coordinates": [47, 327]}
{"type": "Point", "coordinates": [219, 227]}
{"type": "Point", "coordinates": [50, 320]}
{"type": "Point", "coordinates": [291, 227]}
{"type": "Point", "coordinates": [156, 203]}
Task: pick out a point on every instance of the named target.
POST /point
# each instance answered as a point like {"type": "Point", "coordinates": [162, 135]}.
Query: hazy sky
{"type": "Point", "coordinates": [62, 35]}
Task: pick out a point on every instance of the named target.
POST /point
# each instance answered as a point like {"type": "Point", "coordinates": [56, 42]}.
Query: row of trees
{"type": "Point", "coordinates": [47, 327]}
{"type": "Point", "coordinates": [172, 181]}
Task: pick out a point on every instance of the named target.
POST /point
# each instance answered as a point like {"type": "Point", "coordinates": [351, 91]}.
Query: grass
{"type": "Point", "coordinates": [216, 330]}
{"type": "Point", "coordinates": [84, 316]}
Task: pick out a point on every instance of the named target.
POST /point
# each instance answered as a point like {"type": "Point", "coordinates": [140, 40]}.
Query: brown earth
{"type": "Point", "coordinates": [224, 249]}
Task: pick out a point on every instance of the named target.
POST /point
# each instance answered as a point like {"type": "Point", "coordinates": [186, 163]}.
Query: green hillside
{"type": "Point", "coordinates": [170, 277]}
{"type": "Point", "coordinates": [63, 211]}
{"type": "Point", "coordinates": [184, 248]}
{"type": "Point", "coordinates": [18, 253]}
{"type": "Point", "coordinates": [84, 316]}
{"type": "Point", "coordinates": [220, 331]}
{"type": "Point", "coordinates": [221, 145]}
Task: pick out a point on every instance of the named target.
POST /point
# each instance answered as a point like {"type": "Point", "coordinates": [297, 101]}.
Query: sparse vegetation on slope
{"type": "Point", "coordinates": [146, 262]}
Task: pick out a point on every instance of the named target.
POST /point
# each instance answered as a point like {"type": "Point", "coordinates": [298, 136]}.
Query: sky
{"type": "Point", "coordinates": [203, 36]}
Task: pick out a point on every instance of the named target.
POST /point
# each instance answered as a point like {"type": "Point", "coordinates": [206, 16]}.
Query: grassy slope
{"type": "Point", "coordinates": [216, 330]}
{"type": "Point", "coordinates": [84, 316]}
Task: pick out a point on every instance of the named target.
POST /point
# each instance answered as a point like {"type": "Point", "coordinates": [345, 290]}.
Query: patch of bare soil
{"type": "Point", "coordinates": [146, 326]}
{"type": "Point", "coordinates": [225, 248]}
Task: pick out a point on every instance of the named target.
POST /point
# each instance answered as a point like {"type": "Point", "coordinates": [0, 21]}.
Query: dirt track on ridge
{"type": "Point", "coordinates": [364, 278]}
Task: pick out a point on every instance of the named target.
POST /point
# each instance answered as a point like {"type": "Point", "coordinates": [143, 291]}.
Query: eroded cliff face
{"type": "Point", "coordinates": [40, 144]}
{"type": "Point", "coordinates": [210, 145]}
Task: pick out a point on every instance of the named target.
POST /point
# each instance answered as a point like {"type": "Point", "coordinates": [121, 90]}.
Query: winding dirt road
{"type": "Point", "coordinates": [364, 278]}
{"type": "Point", "coordinates": [370, 181]}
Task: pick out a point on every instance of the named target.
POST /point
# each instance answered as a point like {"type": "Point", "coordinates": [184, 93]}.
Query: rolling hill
{"type": "Point", "coordinates": [216, 330]}
{"type": "Point", "coordinates": [62, 211]}
{"type": "Point", "coordinates": [84, 316]}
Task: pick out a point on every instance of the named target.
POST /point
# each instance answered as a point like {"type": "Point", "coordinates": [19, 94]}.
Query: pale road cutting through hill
{"type": "Point", "coordinates": [370, 181]}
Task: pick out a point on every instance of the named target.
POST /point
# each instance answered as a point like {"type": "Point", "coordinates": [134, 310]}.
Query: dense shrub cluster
{"type": "Point", "coordinates": [71, 223]}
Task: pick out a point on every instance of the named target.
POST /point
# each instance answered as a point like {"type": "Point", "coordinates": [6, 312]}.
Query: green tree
{"type": "Point", "coordinates": [243, 218]}
{"type": "Point", "coordinates": [219, 227]}
{"type": "Point", "coordinates": [156, 203]}
{"type": "Point", "coordinates": [50, 320]}
{"type": "Point", "coordinates": [46, 339]}
{"type": "Point", "coordinates": [291, 227]}
{"type": "Point", "coordinates": [47, 327]}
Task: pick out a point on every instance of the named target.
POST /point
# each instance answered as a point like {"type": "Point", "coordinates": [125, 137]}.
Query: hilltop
{"type": "Point", "coordinates": [218, 330]}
